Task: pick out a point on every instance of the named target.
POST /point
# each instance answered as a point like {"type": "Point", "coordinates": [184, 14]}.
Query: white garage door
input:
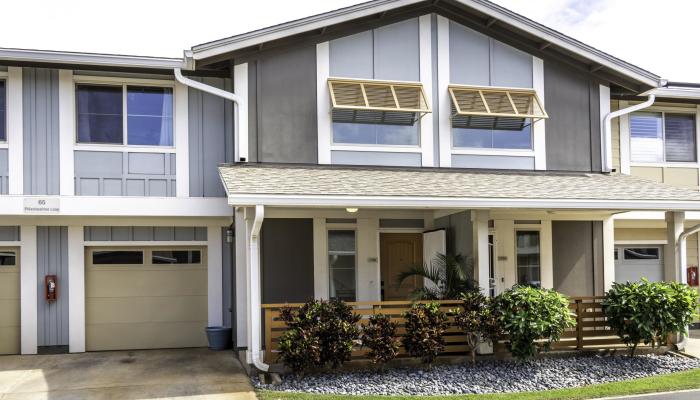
{"type": "Point", "coordinates": [145, 298]}
{"type": "Point", "coordinates": [9, 301]}
{"type": "Point", "coordinates": [633, 263]}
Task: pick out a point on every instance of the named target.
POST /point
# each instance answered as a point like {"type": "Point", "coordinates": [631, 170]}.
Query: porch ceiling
{"type": "Point", "coordinates": [324, 185]}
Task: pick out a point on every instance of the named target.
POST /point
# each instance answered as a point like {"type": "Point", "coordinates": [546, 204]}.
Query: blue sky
{"type": "Point", "coordinates": [656, 35]}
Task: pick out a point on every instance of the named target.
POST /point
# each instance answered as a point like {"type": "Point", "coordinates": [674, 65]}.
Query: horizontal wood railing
{"type": "Point", "coordinates": [590, 332]}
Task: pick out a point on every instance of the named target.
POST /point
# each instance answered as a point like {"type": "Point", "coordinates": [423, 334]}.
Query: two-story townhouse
{"type": "Point", "coordinates": [110, 198]}
{"type": "Point", "coordinates": [357, 142]}
{"type": "Point", "coordinates": [384, 133]}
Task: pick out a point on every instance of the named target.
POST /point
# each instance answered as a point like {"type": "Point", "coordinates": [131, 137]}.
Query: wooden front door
{"type": "Point", "coordinates": [399, 252]}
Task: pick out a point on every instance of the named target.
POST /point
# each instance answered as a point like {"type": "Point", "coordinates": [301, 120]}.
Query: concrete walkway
{"type": "Point", "coordinates": [149, 374]}
{"type": "Point", "coordinates": [681, 395]}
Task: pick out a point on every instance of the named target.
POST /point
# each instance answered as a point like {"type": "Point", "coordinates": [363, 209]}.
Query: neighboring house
{"type": "Point", "coordinates": [352, 144]}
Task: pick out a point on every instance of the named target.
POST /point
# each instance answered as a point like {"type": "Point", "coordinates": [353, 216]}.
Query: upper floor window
{"type": "Point", "coordinates": [124, 114]}
{"type": "Point", "coordinates": [494, 118]}
{"type": "Point", "coordinates": [663, 137]}
{"type": "Point", "coordinates": [370, 112]}
{"type": "Point", "coordinates": [3, 112]}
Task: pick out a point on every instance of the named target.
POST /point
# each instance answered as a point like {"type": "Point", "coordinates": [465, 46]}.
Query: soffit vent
{"type": "Point", "coordinates": [377, 102]}
{"type": "Point", "coordinates": [475, 107]}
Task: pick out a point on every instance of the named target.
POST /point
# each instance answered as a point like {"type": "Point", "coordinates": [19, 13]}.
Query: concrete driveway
{"type": "Point", "coordinates": [147, 374]}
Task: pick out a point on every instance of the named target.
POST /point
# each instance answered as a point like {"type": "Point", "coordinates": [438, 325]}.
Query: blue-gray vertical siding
{"type": "Point", "coordinates": [9, 233]}
{"type": "Point", "coordinates": [210, 138]}
{"type": "Point", "coordinates": [4, 172]}
{"type": "Point", "coordinates": [41, 131]}
{"type": "Point", "coordinates": [52, 259]}
{"type": "Point", "coordinates": [227, 277]}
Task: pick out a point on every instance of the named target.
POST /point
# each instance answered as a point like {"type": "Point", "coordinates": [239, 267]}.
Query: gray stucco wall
{"type": "Point", "coordinates": [287, 258]}
{"type": "Point", "coordinates": [572, 101]}
{"type": "Point", "coordinates": [41, 131]}
{"type": "Point", "coordinates": [282, 102]}
{"type": "Point", "coordinates": [577, 256]}
{"type": "Point", "coordinates": [4, 172]}
{"type": "Point", "coordinates": [107, 173]}
{"type": "Point", "coordinates": [9, 233]}
{"type": "Point", "coordinates": [145, 233]}
{"type": "Point", "coordinates": [52, 259]}
{"type": "Point", "coordinates": [459, 233]}
{"type": "Point", "coordinates": [210, 138]}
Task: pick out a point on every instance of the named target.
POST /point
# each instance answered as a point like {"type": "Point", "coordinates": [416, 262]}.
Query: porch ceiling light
{"type": "Point", "coordinates": [476, 107]}
{"type": "Point", "coordinates": [352, 209]}
{"type": "Point", "coordinates": [377, 102]}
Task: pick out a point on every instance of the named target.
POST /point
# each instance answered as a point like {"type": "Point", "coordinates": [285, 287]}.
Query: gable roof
{"type": "Point", "coordinates": [496, 13]}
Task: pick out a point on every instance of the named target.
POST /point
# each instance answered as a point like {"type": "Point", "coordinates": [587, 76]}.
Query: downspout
{"type": "Point", "coordinates": [607, 128]}
{"type": "Point", "coordinates": [683, 265]}
{"type": "Point", "coordinates": [254, 311]}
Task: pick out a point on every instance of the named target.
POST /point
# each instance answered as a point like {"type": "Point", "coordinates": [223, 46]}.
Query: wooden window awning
{"type": "Point", "coordinates": [475, 107]}
{"type": "Point", "coordinates": [377, 102]}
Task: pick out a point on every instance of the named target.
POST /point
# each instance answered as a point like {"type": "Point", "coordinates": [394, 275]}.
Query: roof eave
{"type": "Point", "coordinates": [89, 59]}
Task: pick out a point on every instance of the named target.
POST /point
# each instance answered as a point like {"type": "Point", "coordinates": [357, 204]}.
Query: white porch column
{"type": "Point", "coordinates": [546, 255]}
{"type": "Point", "coordinates": [480, 230]}
{"type": "Point", "coordinates": [241, 279]}
{"type": "Point", "coordinates": [215, 288]}
{"type": "Point", "coordinates": [608, 252]}
{"type": "Point", "coordinates": [674, 227]}
{"type": "Point", "coordinates": [28, 290]}
{"type": "Point", "coordinates": [76, 292]}
{"type": "Point", "coordinates": [321, 278]}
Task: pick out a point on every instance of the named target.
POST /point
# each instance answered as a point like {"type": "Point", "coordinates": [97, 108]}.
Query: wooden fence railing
{"type": "Point", "coordinates": [591, 331]}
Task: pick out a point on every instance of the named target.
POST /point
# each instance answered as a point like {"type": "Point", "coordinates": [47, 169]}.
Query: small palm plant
{"type": "Point", "coordinates": [450, 276]}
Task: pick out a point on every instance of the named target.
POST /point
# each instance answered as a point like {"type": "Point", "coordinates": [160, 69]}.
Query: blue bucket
{"type": "Point", "coordinates": [219, 337]}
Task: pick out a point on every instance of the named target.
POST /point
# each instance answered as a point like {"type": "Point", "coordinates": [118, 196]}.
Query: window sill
{"type": "Point", "coordinates": [494, 152]}
{"type": "Point", "coordinates": [124, 148]}
{"type": "Point", "coordinates": [666, 164]}
{"type": "Point", "coordinates": [376, 148]}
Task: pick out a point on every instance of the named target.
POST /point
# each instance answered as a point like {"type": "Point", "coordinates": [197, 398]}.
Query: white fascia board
{"type": "Point", "coordinates": [456, 202]}
{"type": "Point", "coordinates": [122, 206]}
{"type": "Point", "coordinates": [253, 38]}
{"type": "Point", "coordinates": [674, 93]}
{"type": "Point", "coordinates": [108, 60]}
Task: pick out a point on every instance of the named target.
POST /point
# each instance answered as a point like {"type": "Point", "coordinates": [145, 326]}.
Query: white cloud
{"type": "Point", "coordinates": [655, 35]}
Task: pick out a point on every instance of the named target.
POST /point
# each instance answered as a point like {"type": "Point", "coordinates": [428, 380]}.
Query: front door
{"type": "Point", "coordinates": [398, 253]}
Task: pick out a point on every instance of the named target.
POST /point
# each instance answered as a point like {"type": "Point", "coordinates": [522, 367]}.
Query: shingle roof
{"type": "Point", "coordinates": [285, 180]}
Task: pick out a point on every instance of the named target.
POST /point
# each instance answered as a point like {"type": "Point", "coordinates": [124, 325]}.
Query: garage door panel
{"type": "Point", "coordinates": [9, 284]}
{"type": "Point", "coordinates": [146, 309]}
{"type": "Point", "coordinates": [9, 308]}
{"type": "Point", "coordinates": [130, 282]}
{"type": "Point", "coordinates": [150, 335]}
{"type": "Point", "coordinates": [9, 339]}
{"type": "Point", "coordinates": [9, 312]}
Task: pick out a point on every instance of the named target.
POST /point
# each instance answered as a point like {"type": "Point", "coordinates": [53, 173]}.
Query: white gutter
{"type": "Point", "coordinates": [607, 129]}
{"type": "Point", "coordinates": [206, 88]}
{"type": "Point", "coordinates": [254, 311]}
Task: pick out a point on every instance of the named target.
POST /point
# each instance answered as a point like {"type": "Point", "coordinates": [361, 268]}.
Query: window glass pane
{"type": "Point", "coordinates": [3, 107]}
{"type": "Point", "coordinates": [99, 110]}
{"type": "Point", "coordinates": [341, 262]}
{"type": "Point", "coordinates": [176, 257]}
{"type": "Point", "coordinates": [646, 140]}
{"type": "Point", "coordinates": [680, 137]}
{"type": "Point", "coordinates": [492, 138]}
{"type": "Point", "coordinates": [150, 116]}
{"type": "Point", "coordinates": [528, 257]}
{"type": "Point", "coordinates": [7, 258]}
{"type": "Point", "coordinates": [644, 253]}
{"type": "Point", "coordinates": [346, 133]}
{"type": "Point", "coordinates": [105, 257]}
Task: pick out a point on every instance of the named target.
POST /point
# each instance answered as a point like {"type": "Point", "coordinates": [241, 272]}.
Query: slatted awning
{"type": "Point", "coordinates": [377, 102]}
{"type": "Point", "coordinates": [477, 107]}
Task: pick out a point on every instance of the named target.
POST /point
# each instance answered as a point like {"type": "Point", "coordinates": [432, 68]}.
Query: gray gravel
{"type": "Point", "coordinates": [487, 376]}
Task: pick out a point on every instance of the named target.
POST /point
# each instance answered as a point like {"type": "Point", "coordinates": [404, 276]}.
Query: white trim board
{"type": "Point", "coordinates": [539, 139]}
{"type": "Point", "coordinates": [323, 103]}
{"type": "Point", "coordinates": [426, 78]}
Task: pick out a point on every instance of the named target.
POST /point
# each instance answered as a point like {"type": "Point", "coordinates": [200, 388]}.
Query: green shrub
{"type": "Point", "coordinates": [425, 325]}
{"type": "Point", "coordinates": [477, 320]}
{"type": "Point", "coordinates": [318, 333]}
{"type": "Point", "coordinates": [649, 311]}
{"type": "Point", "coordinates": [532, 318]}
{"type": "Point", "coordinates": [379, 336]}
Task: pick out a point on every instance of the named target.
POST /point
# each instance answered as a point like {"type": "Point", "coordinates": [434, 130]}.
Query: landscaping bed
{"type": "Point", "coordinates": [487, 376]}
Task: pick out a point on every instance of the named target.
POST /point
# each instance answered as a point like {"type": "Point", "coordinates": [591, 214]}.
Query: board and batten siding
{"type": "Point", "coordinates": [52, 259]}
{"type": "Point", "coordinates": [116, 173]}
{"type": "Point", "coordinates": [4, 172]}
{"type": "Point", "coordinates": [40, 131]}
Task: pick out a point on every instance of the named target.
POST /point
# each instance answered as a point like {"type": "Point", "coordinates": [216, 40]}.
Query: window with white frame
{"type": "Point", "coordinates": [657, 137]}
{"type": "Point", "coordinates": [3, 112]}
{"type": "Point", "coordinates": [125, 114]}
{"type": "Point", "coordinates": [341, 264]}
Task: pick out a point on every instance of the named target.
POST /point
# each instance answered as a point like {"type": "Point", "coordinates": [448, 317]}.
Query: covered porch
{"type": "Point", "coordinates": [322, 232]}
